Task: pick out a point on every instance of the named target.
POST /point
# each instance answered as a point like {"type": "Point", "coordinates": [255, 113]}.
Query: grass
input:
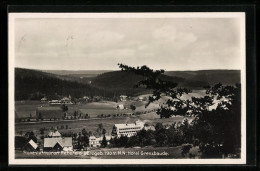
{"type": "Point", "coordinates": [25, 108]}
{"type": "Point", "coordinates": [76, 126]}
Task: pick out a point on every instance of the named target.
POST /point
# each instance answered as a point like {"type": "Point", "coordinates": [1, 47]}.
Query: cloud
{"type": "Point", "coordinates": [172, 44]}
{"type": "Point", "coordinates": [166, 32]}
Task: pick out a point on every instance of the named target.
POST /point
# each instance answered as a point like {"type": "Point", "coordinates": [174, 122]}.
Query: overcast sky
{"type": "Point", "coordinates": [99, 44]}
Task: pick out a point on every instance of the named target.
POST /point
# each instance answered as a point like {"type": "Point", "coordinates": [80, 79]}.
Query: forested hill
{"type": "Point", "coordinates": [32, 84]}
{"type": "Point", "coordinates": [194, 80]}
{"type": "Point", "coordinates": [228, 77]}
{"type": "Point", "coordinates": [124, 82]}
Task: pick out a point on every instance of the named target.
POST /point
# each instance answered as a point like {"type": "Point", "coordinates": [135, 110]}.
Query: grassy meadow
{"type": "Point", "coordinates": [93, 109]}
{"type": "Point", "coordinates": [76, 126]}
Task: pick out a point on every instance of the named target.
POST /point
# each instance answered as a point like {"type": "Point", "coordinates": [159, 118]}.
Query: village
{"type": "Point", "coordinates": [78, 109]}
{"type": "Point", "coordinates": [55, 110]}
{"type": "Point", "coordinates": [50, 140]}
{"type": "Point", "coordinates": [54, 141]}
{"type": "Point", "coordinates": [130, 86]}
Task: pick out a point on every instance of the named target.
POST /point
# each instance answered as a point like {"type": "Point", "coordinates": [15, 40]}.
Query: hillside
{"type": "Point", "coordinates": [195, 80]}
{"type": "Point", "coordinates": [125, 82]}
{"type": "Point", "coordinates": [32, 84]}
{"type": "Point", "coordinates": [198, 78]}
{"type": "Point", "coordinates": [76, 72]}
{"type": "Point", "coordinates": [118, 82]}
{"type": "Point", "coordinates": [80, 76]}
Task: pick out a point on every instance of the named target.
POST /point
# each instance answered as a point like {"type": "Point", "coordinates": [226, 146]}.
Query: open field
{"type": "Point", "coordinates": [112, 153]}
{"type": "Point", "coordinates": [25, 108]}
{"type": "Point", "coordinates": [76, 126]}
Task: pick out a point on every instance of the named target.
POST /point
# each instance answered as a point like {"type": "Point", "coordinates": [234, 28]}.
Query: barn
{"type": "Point", "coordinates": [58, 144]}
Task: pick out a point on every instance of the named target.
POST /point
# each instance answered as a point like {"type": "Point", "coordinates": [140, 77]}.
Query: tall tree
{"type": "Point", "coordinates": [104, 141]}
{"type": "Point", "coordinates": [64, 108]}
{"type": "Point", "coordinates": [216, 131]}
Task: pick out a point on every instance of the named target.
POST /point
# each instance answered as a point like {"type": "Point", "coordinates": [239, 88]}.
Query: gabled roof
{"type": "Point", "coordinates": [54, 134]}
{"type": "Point", "coordinates": [59, 144]}
{"type": "Point", "coordinates": [51, 142]}
{"type": "Point", "coordinates": [65, 98]}
{"type": "Point", "coordinates": [33, 144]}
{"type": "Point", "coordinates": [131, 125]}
{"type": "Point", "coordinates": [149, 128]}
{"type": "Point", "coordinates": [92, 137]}
{"type": "Point", "coordinates": [65, 142]}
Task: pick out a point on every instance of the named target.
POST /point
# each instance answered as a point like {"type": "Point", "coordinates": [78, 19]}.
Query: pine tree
{"type": "Point", "coordinates": [104, 142]}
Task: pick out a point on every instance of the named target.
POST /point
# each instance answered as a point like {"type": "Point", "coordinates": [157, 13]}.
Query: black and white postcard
{"type": "Point", "coordinates": [127, 88]}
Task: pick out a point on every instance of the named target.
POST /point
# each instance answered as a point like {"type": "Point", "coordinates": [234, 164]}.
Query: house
{"type": "Point", "coordinates": [149, 128]}
{"type": "Point", "coordinates": [66, 100]}
{"type": "Point", "coordinates": [128, 129]}
{"type": "Point", "coordinates": [190, 120]}
{"type": "Point", "coordinates": [58, 144]}
{"type": "Point", "coordinates": [140, 99]}
{"type": "Point", "coordinates": [54, 134]}
{"type": "Point", "coordinates": [55, 102]}
{"type": "Point", "coordinates": [44, 99]}
{"type": "Point", "coordinates": [120, 106]}
{"type": "Point", "coordinates": [94, 141]}
{"type": "Point", "coordinates": [86, 98]}
{"type": "Point", "coordinates": [31, 146]}
{"type": "Point", "coordinates": [123, 98]}
{"type": "Point", "coordinates": [20, 142]}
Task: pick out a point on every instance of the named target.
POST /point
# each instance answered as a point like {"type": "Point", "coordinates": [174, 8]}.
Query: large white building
{"type": "Point", "coordinates": [128, 129]}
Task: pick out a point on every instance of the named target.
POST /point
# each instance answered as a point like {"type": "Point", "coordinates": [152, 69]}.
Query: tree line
{"type": "Point", "coordinates": [34, 85]}
{"type": "Point", "coordinates": [217, 131]}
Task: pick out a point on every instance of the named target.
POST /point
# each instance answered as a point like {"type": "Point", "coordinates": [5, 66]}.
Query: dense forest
{"type": "Point", "coordinates": [211, 77]}
{"type": "Point", "coordinates": [34, 84]}
{"type": "Point", "coordinates": [31, 84]}
{"type": "Point", "coordinates": [124, 82]}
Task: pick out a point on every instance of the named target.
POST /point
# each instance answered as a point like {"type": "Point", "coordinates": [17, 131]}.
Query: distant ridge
{"type": "Point", "coordinates": [75, 72]}
{"type": "Point", "coordinates": [208, 76]}
{"type": "Point", "coordinates": [33, 84]}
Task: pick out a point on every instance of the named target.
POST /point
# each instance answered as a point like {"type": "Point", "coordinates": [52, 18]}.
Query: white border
{"type": "Point", "coordinates": [11, 66]}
